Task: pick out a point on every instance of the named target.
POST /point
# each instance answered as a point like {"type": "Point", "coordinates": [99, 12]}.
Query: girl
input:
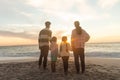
{"type": "Point", "coordinates": [64, 53]}
{"type": "Point", "coordinates": [54, 53]}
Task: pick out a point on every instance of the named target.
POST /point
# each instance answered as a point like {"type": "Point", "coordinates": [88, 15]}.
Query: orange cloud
{"type": "Point", "coordinates": [6, 41]}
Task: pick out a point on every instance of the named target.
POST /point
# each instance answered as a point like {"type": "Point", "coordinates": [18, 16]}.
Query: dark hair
{"type": "Point", "coordinates": [54, 39]}
{"type": "Point", "coordinates": [47, 23]}
{"type": "Point", "coordinates": [64, 38]}
{"type": "Point", "coordinates": [78, 28]}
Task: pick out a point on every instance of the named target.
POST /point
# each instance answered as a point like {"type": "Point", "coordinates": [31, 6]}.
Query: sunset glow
{"type": "Point", "coordinates": [21, 20]}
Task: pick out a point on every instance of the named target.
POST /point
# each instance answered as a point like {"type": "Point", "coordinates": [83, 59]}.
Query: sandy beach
{"type": "Point", "coordinates": [27, 69]}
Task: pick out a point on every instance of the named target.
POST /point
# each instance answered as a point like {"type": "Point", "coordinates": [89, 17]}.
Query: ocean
{"type": "Point", "coordinates": [103, 50]}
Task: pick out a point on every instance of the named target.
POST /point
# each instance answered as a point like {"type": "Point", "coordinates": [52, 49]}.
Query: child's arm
{"type": "Point", "coordinates": [58, 52]}
{"type": "Point", "coordinates": [50, 47]}
{"type": "Point", "coordinates": [69, 47]}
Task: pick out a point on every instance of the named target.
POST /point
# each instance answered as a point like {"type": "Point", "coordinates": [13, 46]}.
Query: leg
{"type": "Point", "coordinates": [41, 56]}
{"type": "Point", "coordinates": [76, 59]}
{"type": "Point", "coordinates": [53, 66]}
{"type": "Point", "coordinates": [65, 64]}
{"type": "Point", "coordinates": [46, 49]}
{"type": "Point", "coordinates": [82, 58]}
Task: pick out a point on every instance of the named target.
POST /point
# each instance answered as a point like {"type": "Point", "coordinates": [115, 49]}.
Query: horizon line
{"type": "Point", "coordinates": [37, 44]}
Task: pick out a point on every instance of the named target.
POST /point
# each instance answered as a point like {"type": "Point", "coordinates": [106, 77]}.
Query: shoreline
{"type": "Point", "coordinates": [37, 44]}
{"type": "Point", "coordinates": [17, 59]}
{"type": "Point", "coordinates": [88, 60]}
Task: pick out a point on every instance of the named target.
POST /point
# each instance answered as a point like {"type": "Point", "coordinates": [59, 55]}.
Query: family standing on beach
{"type": "Point", "coordinates": [78, 39]}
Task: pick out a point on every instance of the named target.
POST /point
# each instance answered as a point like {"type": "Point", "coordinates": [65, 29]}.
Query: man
{"type": "Point", "coordinates": [78, 39]}
{"type": "Point", "coordinates": [44, 39]}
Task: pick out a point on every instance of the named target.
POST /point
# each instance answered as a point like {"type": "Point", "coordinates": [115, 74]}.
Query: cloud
{"type": "Point", "coordinates": [35, 11]}
{"type": "Point", "coordinates": [59, 33]}
{"type": "Point", "coordinates": [35, 3]}
{"type": "Point", "coordinates": [81, 6]}
{"type": "Point", "coordinates": [52, 5]}
{"type": "Point", "coordinates": [31, 35]}
{"type": "Point", "coordinates": [15, 11]}
{"type": "Point", "coordinates": [24, 35]}
{"type": "Point", "coordinates": [24, 13]}
{"type": "Point", "coordinates": [70, 17]}
{"type": "Point", "coordinates": [62, 5]}
{"type": "Point", "coordinates": [107, 3]}
{"type": "Point", "coordinates": [65, 9]}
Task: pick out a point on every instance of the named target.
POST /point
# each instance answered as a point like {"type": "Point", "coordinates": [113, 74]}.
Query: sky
{"type": "Point", "coordinates": [21, 20]}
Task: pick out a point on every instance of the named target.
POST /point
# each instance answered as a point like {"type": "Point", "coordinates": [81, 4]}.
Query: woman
{"type": "Point", "coordinates": [78, 39]}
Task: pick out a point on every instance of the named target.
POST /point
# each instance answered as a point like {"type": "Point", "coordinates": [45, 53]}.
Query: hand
{"type": "Point", "coordinates": [39, 47]}
{"type": "Point", "coordinates": [59, 56]}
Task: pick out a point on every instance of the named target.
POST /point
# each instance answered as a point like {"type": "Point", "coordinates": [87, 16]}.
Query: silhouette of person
{"type": "Point", "coordinates": [54, 53]}
{"type": "Point", "coordinates": [65, 53]}
{"type": "Point", "coordinates": [44, 40]}
{"type": "Point", "coordinates": [78, 38]}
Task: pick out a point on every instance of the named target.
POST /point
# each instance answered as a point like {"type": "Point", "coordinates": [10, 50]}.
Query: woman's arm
{"type": "Point", "coordinates": [86, 36]}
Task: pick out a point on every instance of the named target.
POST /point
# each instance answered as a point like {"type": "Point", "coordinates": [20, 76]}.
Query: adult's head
{"type": "Point", "coordinates": [47, 24]}
{"type": "Point", "coordinates": [77, 23]}
{"type": "Point", "coordinates": [78, 28]}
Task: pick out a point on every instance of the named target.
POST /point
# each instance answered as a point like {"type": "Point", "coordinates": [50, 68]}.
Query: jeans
{"type": "Point", "coordinates": [79, 55]}
{"type": "Point", "coordinates": [43, 55]}
{"type": "Point", "coordinates": [65, 63]}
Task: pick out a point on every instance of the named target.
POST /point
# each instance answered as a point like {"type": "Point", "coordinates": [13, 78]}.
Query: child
{"type": "Point", "coordinates": [54, 53]}
{"type": "Point", "coordinates": [64, 53]}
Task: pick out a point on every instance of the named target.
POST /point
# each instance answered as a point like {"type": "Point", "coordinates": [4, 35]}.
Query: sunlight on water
{"type": "Point", "coordinates": [109, 50]}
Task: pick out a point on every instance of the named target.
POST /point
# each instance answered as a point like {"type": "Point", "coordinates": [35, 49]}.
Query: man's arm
{"type": "Point", "coordinates": [50, 35]}
{"type": "Point", "coordinates": [39, 39]}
